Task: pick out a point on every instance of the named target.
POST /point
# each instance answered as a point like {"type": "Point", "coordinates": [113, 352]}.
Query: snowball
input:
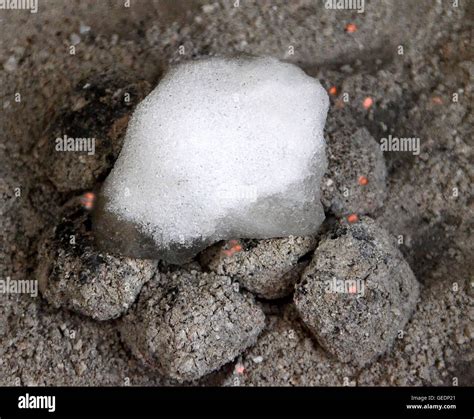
{"type": "Point", "coordinates": [222, 148]}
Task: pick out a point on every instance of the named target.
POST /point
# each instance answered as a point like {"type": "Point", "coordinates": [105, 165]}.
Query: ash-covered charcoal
{"type": "Point", "coordinates": [72, 274]}
{"type": "Point", "coordinates": [83, 141]}
{"type": "Point", "coordinates": [357, 293]}
{"type": "Point", "coordinates": [268, 268]}
{"type": "Point", "coordinates": [189, 324]}
{"type": "Point", "coordinates": [355, 182]}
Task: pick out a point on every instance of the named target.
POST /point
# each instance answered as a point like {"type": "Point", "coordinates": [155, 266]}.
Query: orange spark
{"type": "Point", "coordinates": [353, 218]}
{"type": "Point", "coordinates": [368, 102]}
{"type": "Point", "coordinates": [351, 28]}
{"type": "Point", "coordinates": [88, 200]}
{"type": "Point", "coordinates": [239, 369]}
{"type": "Point", "coordinates": [333, 90]}
{"type": "Point", "coordinates": [235, 247]}
{"type": "Point", "coordinates": [363, 181]}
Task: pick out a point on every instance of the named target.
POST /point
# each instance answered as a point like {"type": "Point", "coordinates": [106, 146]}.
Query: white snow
{"type": "Point", "coordinates": [223, 148]}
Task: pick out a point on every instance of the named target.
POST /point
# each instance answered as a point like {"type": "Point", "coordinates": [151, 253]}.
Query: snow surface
{"type": "Point", "coordinates": [222, 148]}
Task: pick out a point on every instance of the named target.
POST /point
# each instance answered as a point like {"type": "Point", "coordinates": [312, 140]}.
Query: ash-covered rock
{"type": "Point", "coordinates": [84, 139]}
{"type": "Point", "coordinates": [268, 268]}
{"type": "Point", "coordinates": [357, 293]}
{"type": "Point", "coordinates": [189, 324]}
{"type": "Point", "coordinates": [74, 275]}
{"type": "Point", "coordinates": [355, 182]}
